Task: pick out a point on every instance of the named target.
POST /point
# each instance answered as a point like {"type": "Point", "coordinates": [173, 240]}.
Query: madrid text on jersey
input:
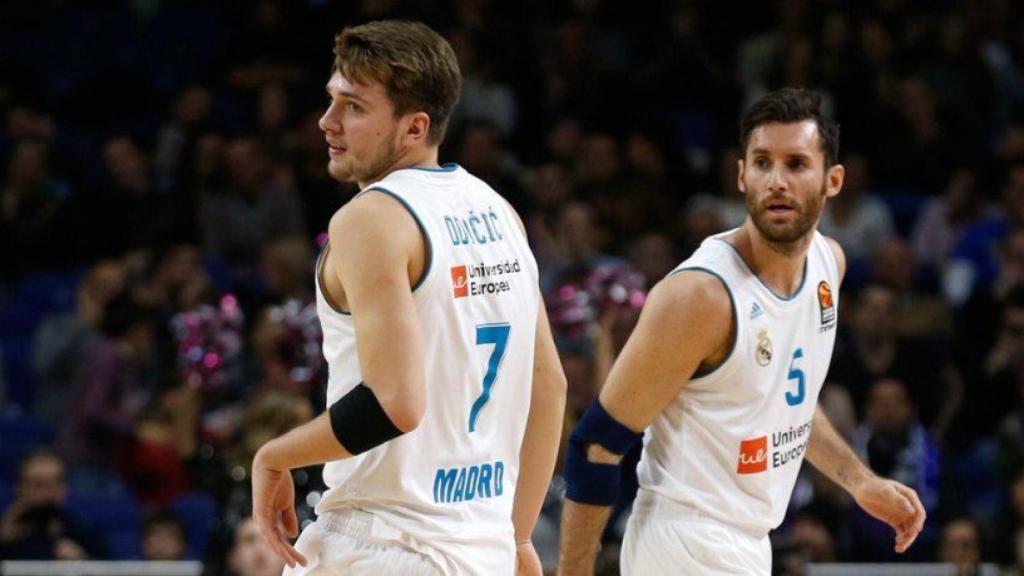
{"type": "Point", "coordinates": [474, 227]}
{"type": "Point", "coordinates": [469, 482]}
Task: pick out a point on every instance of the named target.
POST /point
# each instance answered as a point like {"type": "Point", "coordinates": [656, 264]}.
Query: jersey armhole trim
{"type": "Point", "coordinates": [833, 258]}
{"type": "Point", "coordinates": [779, 297]}
{"type": "Point", "coordinates": [735, 313]}
{"type": "Point", "coordinates": [323, 287]}
{"type": "Point", "coordinates": [423, 230]}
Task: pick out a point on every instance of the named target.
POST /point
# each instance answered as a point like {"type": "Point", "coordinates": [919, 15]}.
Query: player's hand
{"type": "Point", "coordinates": [896, 505]}
{"type": "Point", "coordinates": [527, 560]}
{"type": "Point", "coordinates": [273, 508]}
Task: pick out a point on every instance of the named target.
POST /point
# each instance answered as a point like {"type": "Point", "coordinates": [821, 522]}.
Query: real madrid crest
{"type": "Point", "coordinates": [764, 348]}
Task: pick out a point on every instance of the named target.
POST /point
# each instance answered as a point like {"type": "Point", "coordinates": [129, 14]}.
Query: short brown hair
{"type": "Point", "coordinates": [791, 105]}
{"type": "Point", "coordinates": [416, 65]}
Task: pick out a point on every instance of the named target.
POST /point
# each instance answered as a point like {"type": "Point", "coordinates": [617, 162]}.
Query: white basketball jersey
{"type": "Point", "coordinates": [450, 482]}
{"type": "Point", "coordinates": [731, 443]}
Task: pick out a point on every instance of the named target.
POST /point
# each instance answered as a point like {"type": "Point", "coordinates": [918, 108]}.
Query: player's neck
{"type": "Point", "coordinates": [780, 268]}
{"type": "Point", "coordinates": [422, 158]}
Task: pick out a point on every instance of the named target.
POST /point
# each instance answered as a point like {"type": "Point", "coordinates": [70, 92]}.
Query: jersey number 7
{"type": "Point", "coordinates": [496, 334]}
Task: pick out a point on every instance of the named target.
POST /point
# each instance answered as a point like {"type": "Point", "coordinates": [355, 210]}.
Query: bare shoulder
{"type": "Point", "coordinates": [837, 250]}
{"type": "Point", "coordinates": [690, 299]}
{"type": "Point", "coordinates": [374, 214]}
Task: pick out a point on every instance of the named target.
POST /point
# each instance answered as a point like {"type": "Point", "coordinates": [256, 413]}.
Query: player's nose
{"type": "Point", "coordinates": [776, 181]}
{"type": "Point", "coordinates": [330, 122]}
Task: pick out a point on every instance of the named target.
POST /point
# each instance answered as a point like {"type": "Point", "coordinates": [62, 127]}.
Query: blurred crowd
{"type": "Point", "coordinates": [163, 199]}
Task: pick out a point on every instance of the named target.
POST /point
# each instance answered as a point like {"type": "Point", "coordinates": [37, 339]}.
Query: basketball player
{"type": "Point", "coordinates": [445, 392]}
{"type": "Point", "coordinates": [722, 376]}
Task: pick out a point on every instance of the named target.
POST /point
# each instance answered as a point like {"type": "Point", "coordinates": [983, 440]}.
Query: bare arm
{"type": "Point", "coordinates": [687, 321]}
{"type": "Point", "coordinates": [831, 455]}
{"type": "Point", "coordinates": [543, 432]}
{"type": "Point", "coordinates": [377, 240]}
{"type": "Point", "coordinates": [837, 250]}
{"type": "Point", "coordinates": [887, 500]}
{"type": "Point", "coordinates": [372, 264]}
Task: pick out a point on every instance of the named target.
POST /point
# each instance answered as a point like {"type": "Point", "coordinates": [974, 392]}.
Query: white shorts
{"type": "Point", "coordinates": [356, 542]}
{"type": "Point", "coordinates": [666, 537]}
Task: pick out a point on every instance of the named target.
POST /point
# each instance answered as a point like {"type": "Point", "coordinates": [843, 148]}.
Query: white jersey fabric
{"type": "Point", "coordinates": [450, 483]}
{"type": "Point", "coordinates": [729, 446]}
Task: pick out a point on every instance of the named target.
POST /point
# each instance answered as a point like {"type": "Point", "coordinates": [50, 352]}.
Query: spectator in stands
{"type": "Point", "coordinates": [322, 195]}
{"type": "Point", "coordinates": [273, 126]}
{"type": "Point", "coordinates": [165, 440]}
{"type": "Point", "coordinates": [259, 206]}
{"type": "Point", "coordinates": [549, 190]}
{"type": "Point", "coordinates": [60, 340]}
{"type": "Point", "coordinates": [710, 212]}
{"type": "Point", "coordinates": [287, 268]}
{"type": "Point", "coordinates": [110, 386]}
{"type": "Point", "coordinates": [995, 390]}
{"type": "Point", "coordinates": [857, 219]}
{"type": "Point", "coordinates": [960, 545]}
{"type": "Point", "coordinates": [813, 536]}
{"type": "Point", "coordinates": [176, 140]}
{"type": "Point", "coordinates": [34, 211]}
{"type": "Point", "coordinates": [163, 537]}
{"type": "Point", "coordinates": [874, 349]}
{"type": "Point", "coordinates": [653, 255]}
{"type": "Point", "coordinates": [1017, 499]}
{"type": "Point", "coordinates": [176, 281]}
{"type": "Point", "coordinates": [921, 313]}
{"type": "Point", "coordinates": [482, 153]}
{"type": "Point", "coordinates": [895, 443]}
{"type": "Point", "coordinates": [943, 219]}
{"type": "Point", "coordinates": [580, 241]}
{"type": "Point", "coordinates": [1010, 441]}
{"type": "Point", "coordinates": [978, 321]}
{"type": "Point", "coordinates": [1008, 540]}
{"type": "Point", "coordinates": [974, 261]}
{"type": "Point", "coordinates": [129, 213]}
{"type": "Point", "coordinates": [484, 96]}
{"type": "Point", "coordinates": [36, 526]}
{"type": "Point", "coordinates": [251, 555]}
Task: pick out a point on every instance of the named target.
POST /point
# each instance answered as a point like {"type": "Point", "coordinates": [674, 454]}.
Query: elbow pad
{"type": "Point", "coordinates": [591, 482]}
{"type": "Point", "coordinates": [359, 421]}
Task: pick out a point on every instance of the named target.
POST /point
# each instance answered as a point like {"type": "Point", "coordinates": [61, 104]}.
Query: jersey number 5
{"type": "Point", "coordinates": [496, 334]}
{"type": "Point", "coordinates": [798, 375]}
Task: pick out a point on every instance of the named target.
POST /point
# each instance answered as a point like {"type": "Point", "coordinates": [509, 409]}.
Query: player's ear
{"type": "Point", "coordinates": [834, 180]}
{"type": "Point", "coordinates": [419, 127]}
{"type": "Point", "coordinates": [739, 176]}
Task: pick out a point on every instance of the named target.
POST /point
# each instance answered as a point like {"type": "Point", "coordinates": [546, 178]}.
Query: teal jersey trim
{"type": "Point", "coordinates": [778, 296]}
{"type": "Point", "coordinates": [430, 243]}
{"type": "Point", "coordinates": [449, 167]}
{"type": "Point", "coordinates": [423, 229]}
{"type": "Point", "coordinates": [320, 281]}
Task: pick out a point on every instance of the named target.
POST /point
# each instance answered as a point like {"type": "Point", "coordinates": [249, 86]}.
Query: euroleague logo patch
{"type": "Point", "coordinates": [460, 281]}
{"type": "Point", "coordinates": [825, 302]}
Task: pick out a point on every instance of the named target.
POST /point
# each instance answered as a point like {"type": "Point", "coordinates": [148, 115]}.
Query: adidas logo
{"type": "Point", "coordinates": [756, 310]}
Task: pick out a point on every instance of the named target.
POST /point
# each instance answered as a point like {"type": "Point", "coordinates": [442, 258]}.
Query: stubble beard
{"type": "Point", "coordinates": [787, 240]}
{"type": "Point", "coordinates": [384, 157]}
